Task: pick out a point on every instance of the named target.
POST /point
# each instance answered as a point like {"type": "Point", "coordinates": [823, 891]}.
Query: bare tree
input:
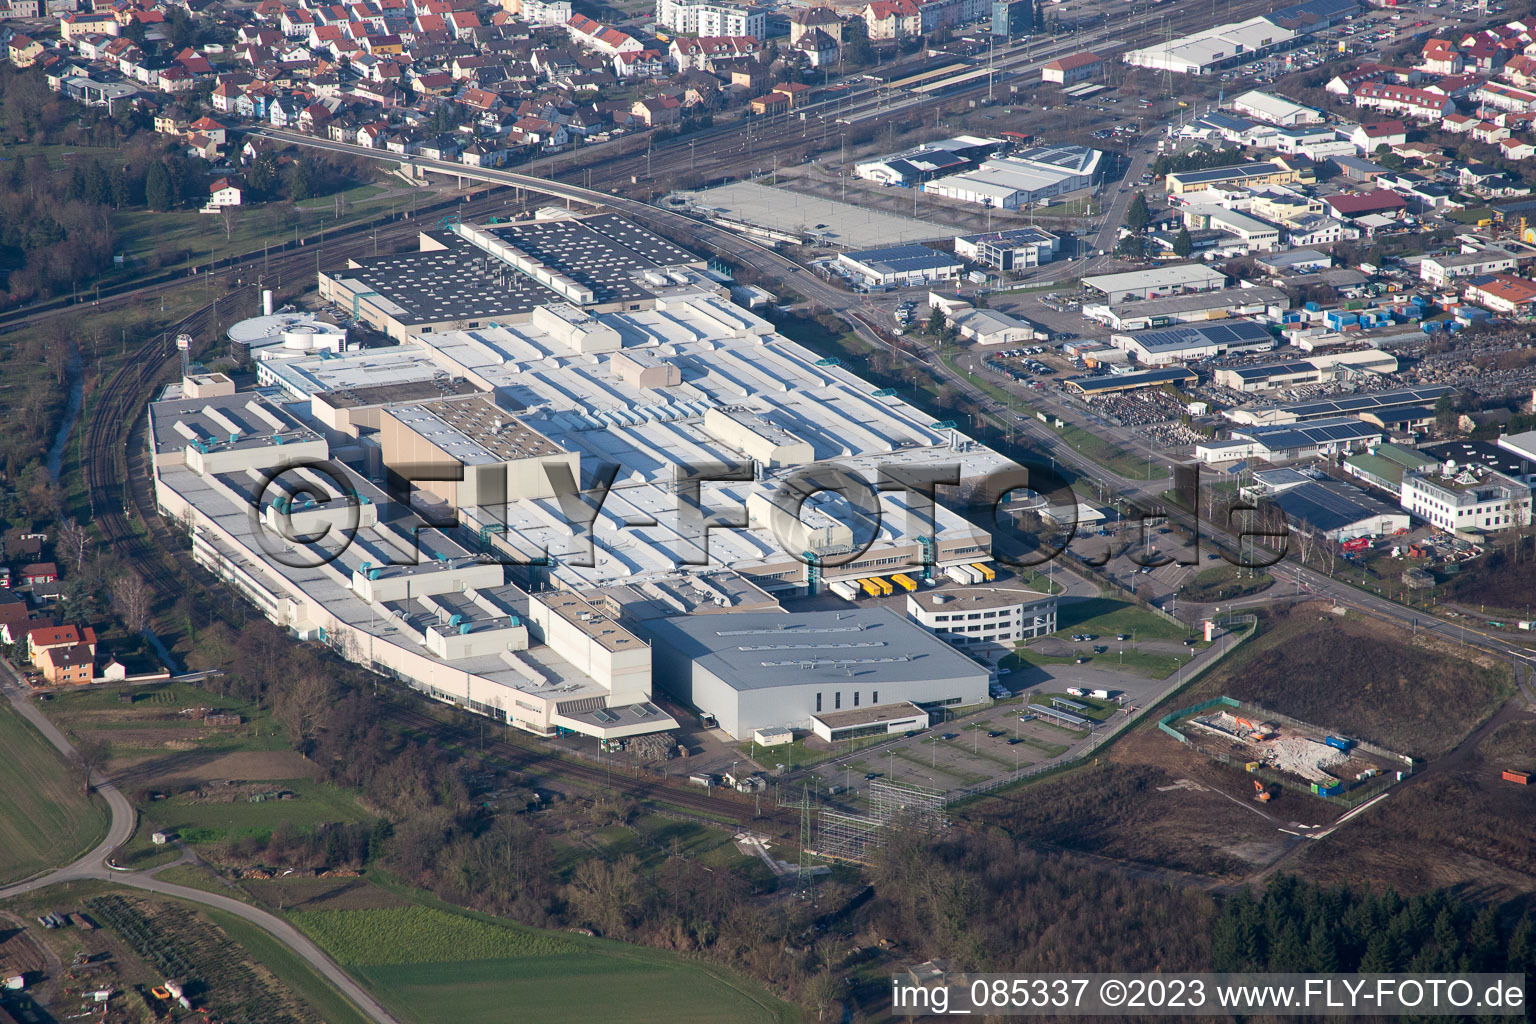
{"type": "Point", "coordinates": [74, 540]}
{"type": "Point", "coordinates": [1306, 541]}
{"type": "Point", "coordinates": [133, 599]}
{"type": "Point", "coordinates": [304, 707]}
{"type": "Point", "coordinates": [90, 754]}
{"type": "Point", "coordinates": [56, 354]}
{"type": "Point", "coordinates": [229, 216]}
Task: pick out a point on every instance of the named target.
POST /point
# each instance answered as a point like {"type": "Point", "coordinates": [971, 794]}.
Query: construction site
{"type": "Point", "coordinates": [1278, 750]}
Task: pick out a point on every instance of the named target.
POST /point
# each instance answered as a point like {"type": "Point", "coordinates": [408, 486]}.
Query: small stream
{"type": "Point", "coordinates": [71, 413]}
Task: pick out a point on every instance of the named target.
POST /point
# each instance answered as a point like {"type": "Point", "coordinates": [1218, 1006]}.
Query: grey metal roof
{"type": "Point", "coordinates": [1330, 507]}
{"type": "Point", "coordinates": [758, 650]}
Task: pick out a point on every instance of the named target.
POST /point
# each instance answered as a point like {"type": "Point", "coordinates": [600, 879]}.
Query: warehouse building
{"type": "Point", "coordinates": [1024, 178]}
{"type": "Point", "coordinates": [1338, 512]}
{"type": "Point", "coordinates": [1186, 309]}
{"type": "Point", "coordinates": [1116, 383]}
{"type": "Point", "coordinates": [1384, 465]}
{"type": "Point", "coordinates": [1372, 403]}
{"type": "Point", "coordinates": [1320, 368]}
{"type": "Point", "coordinates": [1194, 342]}
{"type": "Point", "coordinates": [1291, 443]}
{"type": "Point", "coordinates": [1274, 109]}
{"type": "Point", "coordinates": [756, 670]}
{"type": "Point", "coordinates": [928, 161]}
{"type": "Point", "coordinates": [900, 266]}
{"type": "Point", "coordinates": [1244, 175]}
{"type": "Point", "coordinates": [1156, 282]}
{"type": "Point", "coordinates": [1215, 48]}
{"type": "Point", "coordinates": [471, 276]}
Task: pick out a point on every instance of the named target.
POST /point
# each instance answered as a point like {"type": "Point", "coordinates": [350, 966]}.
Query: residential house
{"type": "Point", "coordinates": [772, 103]}
{"type": "Point", "coordinates": [805, 19]}
{"type": "Point", "coordinates": [211, 128]}
{"type": "Point", "coordinates": [820, 49]}
{"type": "Point", "coordinates": [74, 665]}
{"type": "Point", "coordinates": [1516, 149]}
{"type": "Point", "coordinates": [81, 22]}
{"type": "Point", "coordinates": [1368, 137]}
{"type": "Point", "coordinates": [23, 51]}
{"type": "Point", "coordinates": [658, 111]}
{"type": "Point", "coordinates": [39, 572]}
{"type": "Point", "coordinates": [892, 19]}
{"type": "Point", "coordinates": [42, 638]}
{"type": "Point", "coordinates": [640, 64]}
{"type": "Point", "coordinates": [1422, 104]}
{"type": "Point", "coordinates": [700, 54]}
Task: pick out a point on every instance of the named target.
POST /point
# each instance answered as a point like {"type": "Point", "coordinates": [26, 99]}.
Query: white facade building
{"type": "Point", "coordinates": [695, 18]}
{"type": "Point", "coordinates": [968, 616]}
{"type": "Point", "coordinates": [1469, 498]}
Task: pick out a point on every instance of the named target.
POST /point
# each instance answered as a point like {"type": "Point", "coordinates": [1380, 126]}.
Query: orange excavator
{"type": "Point", "coordinates": [1260, 792]}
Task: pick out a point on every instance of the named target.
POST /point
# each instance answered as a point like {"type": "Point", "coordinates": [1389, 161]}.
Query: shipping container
{"type": "Point", "coordinates": [1339, 743]}
{"type": "Point", "coordinates": [1523, 778]}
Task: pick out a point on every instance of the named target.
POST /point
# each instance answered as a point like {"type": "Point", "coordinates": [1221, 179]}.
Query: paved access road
{"type": "Point", "coordinates": [94, 865]}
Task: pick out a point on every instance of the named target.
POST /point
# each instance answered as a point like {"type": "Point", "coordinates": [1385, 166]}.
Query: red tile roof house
{"type": "Point", "coordinates": [41, 638]}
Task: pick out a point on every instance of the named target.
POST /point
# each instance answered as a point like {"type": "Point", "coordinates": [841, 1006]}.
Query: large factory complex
{"type": "Point", "coordinates": [612, 459]}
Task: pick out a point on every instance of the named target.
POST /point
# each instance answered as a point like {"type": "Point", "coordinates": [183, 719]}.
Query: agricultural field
{"type": "Point", "coordinates": [218, 975]}
{"type": "Point", "coordinates": [419, 935]}
{"type": "Point", "coordinates": [162, 740]}
{"type": "Point", "coordinates": [430, 965]}
{"type": "Point", "coordinates": [45, 818]}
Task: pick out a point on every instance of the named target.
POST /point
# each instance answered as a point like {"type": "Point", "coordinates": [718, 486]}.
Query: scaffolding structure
{"type": "Point", "coordinates": [854, 836]}
{"type": "Point", "coordinates": [920, 807]}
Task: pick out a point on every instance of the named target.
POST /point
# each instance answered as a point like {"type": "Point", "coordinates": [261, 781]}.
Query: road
{"type": "Point", "coordinates": [93, 866]}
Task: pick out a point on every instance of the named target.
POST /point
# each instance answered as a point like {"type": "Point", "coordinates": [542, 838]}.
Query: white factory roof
{"type": "Point", "coordinates": [1271, 107]}
{"type": "Point", "coordinates": [1157, 277]}
{"type": "Point", "coordinates": [1212, 45]}
{"type": "Point", "coordinates": [727, 357]}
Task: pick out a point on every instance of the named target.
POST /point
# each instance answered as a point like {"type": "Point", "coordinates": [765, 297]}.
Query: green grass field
{"type": "Point", "coordinates": [1106, 617]}
{"type": "Point", "coordinates": [45, 820]}
{"type": "Point", "coordinates": [317, 802]}
{"type": "Point", "coordinates": [286, 965]}
{"type": "Point", "coordinates": [1151, 664]}
{"type": "Point", "coordinates": [422, 935]}
{"type": "Point", "coordinates": [430, 964]}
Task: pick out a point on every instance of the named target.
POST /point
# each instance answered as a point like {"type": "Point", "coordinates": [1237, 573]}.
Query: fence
{"type": "Point", "coordinates": [1357, 792]}
{"type": "Point", "coordinates": [1251, 622]}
